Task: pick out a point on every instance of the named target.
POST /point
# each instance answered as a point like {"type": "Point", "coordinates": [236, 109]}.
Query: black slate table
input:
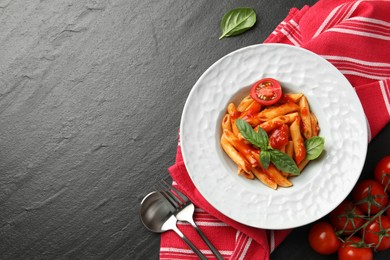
{"type": "Point", "coordinates": [91, 94]}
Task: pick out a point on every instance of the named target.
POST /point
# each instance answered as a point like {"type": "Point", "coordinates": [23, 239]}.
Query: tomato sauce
{"type": "Point", "coordinates": [285, 99]}
{"type": "Point", "coordinates": [235, 114]}
{"type": "Point", "coordinates": [304, 112]}
{"type": "Point", "coordinates": [279, 137]}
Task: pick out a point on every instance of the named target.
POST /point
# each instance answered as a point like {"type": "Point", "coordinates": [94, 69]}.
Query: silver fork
{"type": "Point", "coordinates": [184, 211]}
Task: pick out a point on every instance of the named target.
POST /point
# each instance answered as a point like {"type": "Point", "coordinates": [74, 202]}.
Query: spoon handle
{"type": "Point", "coordinates": [208, 243]}
{"type": "Point", "coordinates": [189, 243]}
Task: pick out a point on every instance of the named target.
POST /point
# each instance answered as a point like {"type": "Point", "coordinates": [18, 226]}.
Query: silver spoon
{"type": "Point", "coordinates": [156, 215]}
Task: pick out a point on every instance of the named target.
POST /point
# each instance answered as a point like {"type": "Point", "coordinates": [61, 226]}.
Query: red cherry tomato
{"type": "Point", "coordinates": [279, 137]}
{"type": "Point", "coordinates": [354, 250]}
{"type": "Point", "coordinates": [382, 172]}
{"type": "Point", "coordinates": [323, 239]}
{"type": "Point", "coordinates": [377, 233]}
{"type": "Point", "coordinates": [369, 196]}
{"type": "Point", "coordinates": [266, 91]}
{"type": "Point", "coordinates": [346, 218]}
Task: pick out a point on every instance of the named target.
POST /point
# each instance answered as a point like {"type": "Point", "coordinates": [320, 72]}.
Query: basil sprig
{"type": "Point", "coordinates": [265, 158]}
{"type": "Point", "coordinates": [259, 139]}
{"type": "Point", "coordinates": [284, 162]}
{"type": "Point", "coordinates": [267, 154]}
{"type": "Point", "coordinates": [237, 21]}
{"type": "Point", "coordinates": [314, 147]}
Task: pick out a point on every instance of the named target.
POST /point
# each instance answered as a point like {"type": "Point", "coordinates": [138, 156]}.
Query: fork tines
{"type": "Point", "coordinates": [174, 196]}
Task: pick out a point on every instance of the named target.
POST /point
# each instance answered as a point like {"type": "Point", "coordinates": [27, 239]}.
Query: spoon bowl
{"type": "Point", "coordinates": [157, 215]}
{"type": "Point", "coordinates": [155, 212]}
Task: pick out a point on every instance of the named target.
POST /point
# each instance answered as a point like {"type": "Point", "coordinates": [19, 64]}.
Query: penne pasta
{"type": "Point", "coordinates": [303, 164]}
{"type": "Point", "coordinates": [289, 150]}
{"type": "Point", "coordinates": [274, 111]}
{"type": "Point", "coordinates": [264, 178]}
{"type": "Point", "coordinates": [233, 114]}
{"type": "Point", "coordinates": [304, 111]}
{"type": "Point", "coordinates": [245, 103]}
{"type": "Point", "coordinates": [314, 125]}
{"type": "Point", "coordinates": [235, 130]}
{"type": "Point", "coordinates": [248, 175]}
{"type": "Point", "coordinates": [277, 121]}
{"type": "Point", "coordinates": [243, 148]}
{"type": "Point", "coordinates": [232, 111]}
{"type": "Point", "coordinates": [250, 114]}
{"type": "Point", "coordinates": [288, 123]}
{"type": "Point", "coordinates": [227, 123]}
{"type": "Point", "coordinates": [283, 148]}
{"type": "Point", "coordinates": [277, 176]}
{"type": "Point", "coordinates": [236, 157]}
{"type": "Point", "coordinates": [293, 97]}
{"type": "Point", "coordinates": [273, 173]}
{"type": "Point", "coordinates": [298, 143]}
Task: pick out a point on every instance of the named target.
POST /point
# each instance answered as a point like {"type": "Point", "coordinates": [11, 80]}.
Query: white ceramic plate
{"type": "Point", "coordinates": [323, 184]}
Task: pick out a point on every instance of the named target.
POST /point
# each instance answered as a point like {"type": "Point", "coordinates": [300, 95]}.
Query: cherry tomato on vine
{"type": "Point", "coordinates": [369, 196]}
{"type": "Point", "coordinates": [266, 91]}
{"type": "Point", "coordinates": [346, 218]}
{"type": "Point", "coordinates": [377, 233]}
{"type": "Point", "coordinates": [382, 172]}
{"type": "Point", "coordinates": [353, 249]}
{"type": "Point", "coordinates": [388, 209]}
{"type": "Point", "coordinates": [323, 239]}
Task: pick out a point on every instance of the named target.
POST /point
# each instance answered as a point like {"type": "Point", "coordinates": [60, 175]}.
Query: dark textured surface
{"type": "Point", "coordinates": [91, 94]}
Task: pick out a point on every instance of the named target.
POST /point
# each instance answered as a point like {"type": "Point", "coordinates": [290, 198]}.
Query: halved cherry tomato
{"type": "Point", "coordinates": [369, 196]}
{"type": "Point", "coordinates": [353, 249]}
{"type": "Point", "coordinates": [279, 136]}
{"type": "Point", "coordinates": [323, 239]}
{"type": "Point", "coordinates": [382, 172]}
{"type": "Point", "coordinates": [346, 218]}
{"type": "Point", "coordinates": [266, 91]}
{"type": "Point", "coordinates": [377, 233]}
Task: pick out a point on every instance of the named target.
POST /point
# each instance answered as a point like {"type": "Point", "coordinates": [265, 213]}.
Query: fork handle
{"type": "Point", "coordinates": [189, 243]}
{"type": "Point", "coordinates": [208, 243]}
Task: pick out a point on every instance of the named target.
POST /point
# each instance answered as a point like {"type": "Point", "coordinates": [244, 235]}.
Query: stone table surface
{"type": "Point", "coordinates": [91, 94]}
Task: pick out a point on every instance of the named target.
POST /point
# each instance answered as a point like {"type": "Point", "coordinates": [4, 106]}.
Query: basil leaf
{"type": "Point", "coordinates": [237, 21]}
{"type": "Point", "coordinates": [314, 147]}
{"type": "Point", "coordinates": [263, 137]}
{"type": "Point", "coordinates": [284, 162]}
{"type": "Point", "coordinates": [265, 158]}
{"type": "Point", "coordinates": [248, 133]}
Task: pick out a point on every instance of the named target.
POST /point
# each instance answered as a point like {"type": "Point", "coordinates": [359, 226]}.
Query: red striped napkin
{"type": "Point", "coordinates": [355, 37]}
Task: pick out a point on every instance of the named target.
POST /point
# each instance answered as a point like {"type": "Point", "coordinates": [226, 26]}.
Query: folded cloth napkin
{"type": "Point", "coordinates": [355, 37]}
